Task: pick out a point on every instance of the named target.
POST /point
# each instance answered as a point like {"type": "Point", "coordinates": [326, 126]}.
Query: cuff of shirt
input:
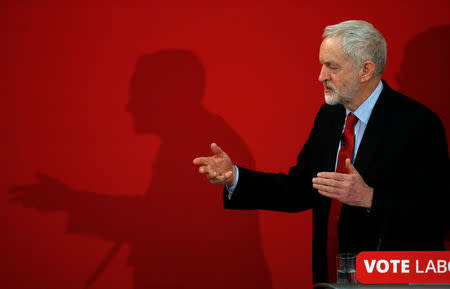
{"type": "Point", "coordinates": [231, 189]}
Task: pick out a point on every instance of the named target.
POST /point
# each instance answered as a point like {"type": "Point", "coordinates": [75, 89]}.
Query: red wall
{"type": "Point", "coordinates": [248, 72]}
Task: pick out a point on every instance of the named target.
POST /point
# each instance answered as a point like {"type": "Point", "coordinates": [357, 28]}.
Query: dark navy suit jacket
{"type": "Point", "coordinates": [403, 155]}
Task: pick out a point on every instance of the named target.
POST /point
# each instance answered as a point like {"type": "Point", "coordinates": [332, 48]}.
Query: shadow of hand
{"type": "Point", "coordinates": [50, 194]}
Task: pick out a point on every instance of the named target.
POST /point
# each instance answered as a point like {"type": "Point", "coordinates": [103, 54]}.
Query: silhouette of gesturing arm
{"type": "Point", "coordinates": [50, 194]}
{"type": "Point", "coordinates": [97, 215]}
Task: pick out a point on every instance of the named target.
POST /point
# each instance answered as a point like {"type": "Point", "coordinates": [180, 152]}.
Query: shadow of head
{"type": "Point", "coordinates": [166, 87]}
{"type": "Point", "coordinates": [424, 70]}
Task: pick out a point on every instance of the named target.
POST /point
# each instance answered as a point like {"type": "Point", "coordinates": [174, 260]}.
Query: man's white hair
{"type": "Point", "coordinates": [360, 42]}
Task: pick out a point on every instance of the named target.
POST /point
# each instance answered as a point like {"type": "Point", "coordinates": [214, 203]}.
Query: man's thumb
{"type": "Point", "coordinates": [351, 169]}
{"type": "Point", "coordinates": [216, 149]}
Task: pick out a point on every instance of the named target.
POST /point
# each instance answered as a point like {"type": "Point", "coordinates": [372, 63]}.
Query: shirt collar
{"type": "Point", "coordinates": [364, 111]}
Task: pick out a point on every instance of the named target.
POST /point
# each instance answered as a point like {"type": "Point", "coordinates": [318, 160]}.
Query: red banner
{"type": "Point", "coordinates": [403, 267]}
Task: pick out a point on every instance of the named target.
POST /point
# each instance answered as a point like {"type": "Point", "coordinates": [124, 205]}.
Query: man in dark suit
{"type": "Point", "coordinates": [380, 156]}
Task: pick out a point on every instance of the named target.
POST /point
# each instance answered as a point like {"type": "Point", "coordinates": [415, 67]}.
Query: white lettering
{"type": "Point", "coordinates": [386, 266]}
{"type": "Point", "coordinates": [442, 266]}
{"type": "Point", "coordinates": [430, 266]}
{"type": "Point", "coordinates": [370, 267]}
{"type": "Point", "coordinates": [405, 266]}
{"type": "Point", "coordinates": [394, 265]}
{"type": "Point", "coordinates": [417, 267]}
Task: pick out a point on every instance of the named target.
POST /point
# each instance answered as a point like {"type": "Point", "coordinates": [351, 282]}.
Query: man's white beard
{"type": "Point", "coordinates": [332, 98]}
{"type": "Point", "coordinates": [336, 97]}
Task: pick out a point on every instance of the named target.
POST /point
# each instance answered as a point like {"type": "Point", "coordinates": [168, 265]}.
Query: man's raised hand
{"type": "Point", "coordinates": [218, 168]}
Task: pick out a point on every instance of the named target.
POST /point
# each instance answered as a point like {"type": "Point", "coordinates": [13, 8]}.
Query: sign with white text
{"type": "Point", "coordinates": [403, 267]}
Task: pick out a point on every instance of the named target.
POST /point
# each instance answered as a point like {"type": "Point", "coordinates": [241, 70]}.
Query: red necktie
{"type": "Point", "coordinates": [346, 152]}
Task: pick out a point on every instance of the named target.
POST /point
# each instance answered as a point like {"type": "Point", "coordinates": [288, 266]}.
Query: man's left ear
{"type": "Point", "coordinates": [367, 70]}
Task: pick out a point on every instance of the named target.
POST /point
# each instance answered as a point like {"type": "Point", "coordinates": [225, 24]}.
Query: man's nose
{"type": "Point", "coordinates": [323, 75]}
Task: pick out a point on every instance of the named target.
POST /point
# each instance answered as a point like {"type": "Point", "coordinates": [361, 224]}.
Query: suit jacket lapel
{"type": "Point", "coordinates": [374, 133]}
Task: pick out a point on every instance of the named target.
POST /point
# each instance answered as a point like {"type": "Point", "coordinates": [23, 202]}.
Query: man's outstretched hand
{"type": "Point", "coordinates": [218, 168]}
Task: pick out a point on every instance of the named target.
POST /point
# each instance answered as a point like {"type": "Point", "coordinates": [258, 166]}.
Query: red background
{"type": "Point", "coordinates": [65, 78]}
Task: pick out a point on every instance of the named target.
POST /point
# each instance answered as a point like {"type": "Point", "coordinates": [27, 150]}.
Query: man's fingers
{"type": "Point", "coordinates": [202, 161]}
{"type": "Point", "coordinates": [203, 169]}
{"type": "Point", "coordinates": [218, 178]}
{"type": "Point", "coordinates": [206, 160]}
{"type": "Point", "coordinates": [210, 173]}
{"type": "Point", "coordinates": [216, 149]}
{"type": "Point", "coordinates": [332, 175]}
{"type": "Point", "coordinates": [327, 182]}
{"type": "Point", "coordinates": [351, 169]}
{"type": "Point", "coordinates": [328, 195]}
{"type": "Point", "coordinates": [328, 189]}
{"type": "Point", "coordinates": [225, 176]}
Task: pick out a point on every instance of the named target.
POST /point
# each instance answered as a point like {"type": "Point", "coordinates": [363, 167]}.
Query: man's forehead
{"type": "Point", "coordinates": [332, 42]}
{"type": "Point", "coordinates": [331, 49]}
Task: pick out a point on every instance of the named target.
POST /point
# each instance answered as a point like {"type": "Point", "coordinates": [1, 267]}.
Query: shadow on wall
{"type": "Point", "coordinates": [425, 73]}
{"type": "Point", "coordinates": [180, 235]}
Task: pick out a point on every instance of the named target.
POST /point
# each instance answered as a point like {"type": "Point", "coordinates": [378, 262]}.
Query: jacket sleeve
{"type": "Point", "coordinates": [290, 192]}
